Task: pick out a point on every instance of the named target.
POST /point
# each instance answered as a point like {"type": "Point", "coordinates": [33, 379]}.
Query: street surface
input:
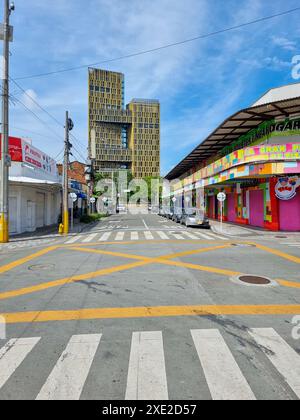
{"type": "Point", "coordinates": [138, 307]}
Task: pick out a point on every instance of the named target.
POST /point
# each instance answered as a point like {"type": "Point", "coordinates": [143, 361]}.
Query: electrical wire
{"type": "Point", "coordinates": [163, 47]}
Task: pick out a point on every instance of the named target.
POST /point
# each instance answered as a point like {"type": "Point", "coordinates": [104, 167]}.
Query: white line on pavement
{"type": "Point", "coordinates": [281, 355]}
{"type": "Point", "coordinates": [224, 377]}
{"type": "Point", "coordinates": [68, 377]}
{"type": "Point", "coordinates": [90, 238]}
{"type": "Point", "coordinates": [105, 237]}
{"type": "Point", "coordinates": [162, 235]}
{"type": "Point", "coordinates": [73, 240]}
{"type": "Point", "coordinates": [147, 378]}
{"type": "Point", "coordinates": [134, 236]}
{"type": "Point", "coordinates": [13, 354]}
{"type": "Point", "coordinates": [148, 236]}
{"type": "Point", "coordinates": [120, 236]}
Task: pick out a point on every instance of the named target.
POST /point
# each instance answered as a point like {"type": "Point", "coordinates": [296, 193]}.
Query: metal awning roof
{"type": "Point", "coordinates": [235, 127]}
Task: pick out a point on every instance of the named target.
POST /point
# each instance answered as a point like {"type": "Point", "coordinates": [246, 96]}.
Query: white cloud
{"type": "Point", "coordinates": [284, 43]}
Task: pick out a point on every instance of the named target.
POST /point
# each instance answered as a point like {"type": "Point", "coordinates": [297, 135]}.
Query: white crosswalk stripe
{"type": "Point", "coordinates": [224, 378]}
{"type": "Point", "coordinates": [162, 235]}
{"type": "Point", "coordinates": [90, 238]}
{"type": "Point", "coordinates": [147, 377]}
{"type": "Point", "coordinates": [13, 354]}
{"type": "Point", "coordinates": [73, 240]}
{"type": "Point", "coordinates": [105, 237]}
{"type": "Point", "coordinates": [148, 236]}
{"type": "Point", "coordinates": [179, 234]}
{"type": "Point", "coordinates": [68, 377]}
{"type": "Point", "coordinates": [134, 236]}
{"type": "Point", "coordinates": [120, 236]}
{"type": "Point", "coordinates": [283, 357]}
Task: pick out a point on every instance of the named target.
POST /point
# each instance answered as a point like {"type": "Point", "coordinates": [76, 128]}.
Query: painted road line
{"type": "Point", "coordinates": [13, 354]}
{"type": "Point", "coordinates": [278, 253]}
{"type": "Point", "coordinates": [162, 235]}
{"type": "Point", "coordinates": [145, 224]}
{"type": "Point", "coordinates": [224, 377]}
{"type": "Point", "coordinates": [73, 240]}
{"type": "Point", "coordinates": [105, 237]}
{"type": "Point", "coordinates": [134, 236]}
{"type": "Point", "coordinates": [190, 235]}
{"type": "Point", "coordinates": [205, 236]}
{"type": "Point", "coordinates": [148, 236]}
{"type": "Point", "coordinates": [147, 378]}
{"type": "Point", "coordinates": [149, 312]}
{"type": "Point", "coordinates": [90, 238]}
{"type": "Point", "coordinates": [281, 355]}
{"type": "Point", "coordinates": [177, 235]}
{"type": "Point", "coordinates": [68, 377]}
{"type": "Point", "coordinates": [216, 236]}
{"type": "Point", "coordinates": [21, 261]}
{"type": "Point", "coordinates": [120, 236]}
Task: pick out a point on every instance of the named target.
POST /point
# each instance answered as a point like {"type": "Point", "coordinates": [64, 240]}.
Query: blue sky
{"type": "Point", "coordinates": [198, 84]}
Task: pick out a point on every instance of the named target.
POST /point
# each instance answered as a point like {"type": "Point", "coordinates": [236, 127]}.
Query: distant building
{"type": "Point", "coordinates": [119, 137]}
{"type": "Point", "coordinates": [34, 188]}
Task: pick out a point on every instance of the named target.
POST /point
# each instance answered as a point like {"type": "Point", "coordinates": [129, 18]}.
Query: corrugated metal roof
{"type": "Point", "coordinates": [236, 126]}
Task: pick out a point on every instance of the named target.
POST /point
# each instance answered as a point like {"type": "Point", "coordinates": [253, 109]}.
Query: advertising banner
{"type": "Point", "coordinates": [14, 149]}
{"type": "Point", "coordinates": [22, 151]}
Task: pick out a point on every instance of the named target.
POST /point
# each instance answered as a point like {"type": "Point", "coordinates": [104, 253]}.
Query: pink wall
{"type": "Point", "coordinates": [231, 208]}
{"type": "Point", "coordinates": [257, 209]}
{"type": "Point", "coordinates": [289, 214]}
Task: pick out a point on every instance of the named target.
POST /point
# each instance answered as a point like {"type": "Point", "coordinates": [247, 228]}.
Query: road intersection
{"type": "Point", "coordinates": [150, 293]}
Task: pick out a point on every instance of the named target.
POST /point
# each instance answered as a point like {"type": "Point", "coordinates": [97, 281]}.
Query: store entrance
{"type": "Point", "coordinates": [289, 214]}
{"type": "Point", "coordinates": [257, 208]}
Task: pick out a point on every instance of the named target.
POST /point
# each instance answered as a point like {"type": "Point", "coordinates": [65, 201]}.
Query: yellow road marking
{"type": "Point", "coordinates": [143, 242]}
{"type": "Point", "coordinates": [24, 260]}
{"type": "Point", "coordinates": [164, 260]}
{"type": "Point", "coordinates": [67, 280]}
{"type": "Point", "coordinates": [150, 312]}
{"type": "Point", "coordinates": [290, 284]}
{"type": "Point", "coordinates": [197, 251]}
{"type": "Point", "coordinates": [279, 253]}
{"type": "Point", "coordinates": [143, 261]}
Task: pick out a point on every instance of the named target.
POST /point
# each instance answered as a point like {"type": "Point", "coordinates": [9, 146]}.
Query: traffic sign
{"type": "Point", "coordinates": [222, 197]}
{"type": "Point", "coordinates": [73, 197]}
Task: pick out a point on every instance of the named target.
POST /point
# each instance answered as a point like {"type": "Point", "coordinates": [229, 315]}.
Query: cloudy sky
{"type": "Point", "coordinates": [199, 84]}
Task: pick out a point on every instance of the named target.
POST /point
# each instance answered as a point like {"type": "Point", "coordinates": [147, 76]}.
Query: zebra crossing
{"type": "Point", "coordinates": [147, 377]}
{"type": "Point", "coordinates": [292, 244]}
{"type": "Point", "coordinates": [120, 236]}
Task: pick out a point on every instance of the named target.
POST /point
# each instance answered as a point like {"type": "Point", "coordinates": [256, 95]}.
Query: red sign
{"type": "Point", "coordinates": [14, 148]}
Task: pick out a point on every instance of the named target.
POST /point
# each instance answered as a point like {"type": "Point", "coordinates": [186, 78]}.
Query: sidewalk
{"type": "Point", "coordinates": [232, 229]}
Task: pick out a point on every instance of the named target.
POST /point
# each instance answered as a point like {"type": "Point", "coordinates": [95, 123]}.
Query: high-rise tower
{"type": "Point", "coordinates": [122, 138]}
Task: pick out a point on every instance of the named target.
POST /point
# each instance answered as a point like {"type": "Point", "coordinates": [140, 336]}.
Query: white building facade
{"type": "Point", "coordinates": [35, 189]}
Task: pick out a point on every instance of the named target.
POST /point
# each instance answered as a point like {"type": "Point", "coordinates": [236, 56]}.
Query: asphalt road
{"type": "Point", "coordinates": [138, 307]}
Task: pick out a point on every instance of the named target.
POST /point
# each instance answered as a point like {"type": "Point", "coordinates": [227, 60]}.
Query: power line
{"type": "Point", "coordinates": [163, 47]}
{"type": "Point", "coordinates": [37, 117]}
{"type": "Point", "coordinates": [44, 110]}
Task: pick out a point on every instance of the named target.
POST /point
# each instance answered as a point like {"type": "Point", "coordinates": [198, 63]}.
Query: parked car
{"type": "Point", "coordinates": [177, 215]}
{"type": "Point", "coordinates": [194, 218]}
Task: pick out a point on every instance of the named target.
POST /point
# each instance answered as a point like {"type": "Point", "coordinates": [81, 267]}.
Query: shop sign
{"type": "Point", "coordinates": [286, 188]}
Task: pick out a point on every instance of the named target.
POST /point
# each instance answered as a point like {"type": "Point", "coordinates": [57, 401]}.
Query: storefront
{"type": "Point", "coordinates": [34, 189]}
{"type": "Point", "coordinates": [258, 168]}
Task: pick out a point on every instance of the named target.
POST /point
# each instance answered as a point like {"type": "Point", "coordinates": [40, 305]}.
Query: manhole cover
{"type": "Point", "coordinates": [255, 280]}
{"type": "Point", "coordinates": [281, 237]}
{"type": "Point", "coordinates": [41, 267]}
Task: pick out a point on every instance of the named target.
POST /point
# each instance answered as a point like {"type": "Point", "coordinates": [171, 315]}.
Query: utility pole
{"type": "Point", "coordinates": [6, 35]}
{"type": "Point", "coordinates": [68, 127]}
